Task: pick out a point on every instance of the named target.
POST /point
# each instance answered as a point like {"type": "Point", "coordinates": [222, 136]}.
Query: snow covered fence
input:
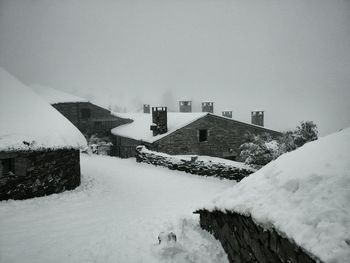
{"type": "Point", "coordinates": [245, 241]}
{"type": "Point", "coordinates": [193, 165]}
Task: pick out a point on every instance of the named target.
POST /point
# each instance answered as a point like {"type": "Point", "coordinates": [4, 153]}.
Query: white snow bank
{"type": "Point", "coordinates": [55, 96]}
{"type": "Point", "coordinates": [139, 129]}
{"type": "Point", "coordinates": [304, 194]}
{"type": "Point", "coordinates": [27, 122]}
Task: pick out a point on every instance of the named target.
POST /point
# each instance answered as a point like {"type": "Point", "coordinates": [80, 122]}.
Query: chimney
{"type": "Point", "coordinates": [159, 120]}
{"type": "Point", "coordinates": [146, 108]}
{"type": "Point", "coordinates": [185, 106]}
{"type": "Point", "coordinates": [208, 107]}
{"type": "Point", "coordinates": [227, 113]}
{"type": "Point", "coordinates": [258, 118]}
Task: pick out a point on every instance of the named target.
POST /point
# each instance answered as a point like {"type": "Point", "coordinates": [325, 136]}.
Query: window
{"type": "Point", "coordinates": [8, 166]}
{"type": "Point", "coordinates": [203, 135]}
{"type": "Point", "coordinates": [85, 113]}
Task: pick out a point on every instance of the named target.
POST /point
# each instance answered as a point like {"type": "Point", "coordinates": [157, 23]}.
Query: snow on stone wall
{"type": "Point", "coordinates": [245, 241]}
{"type": "Point", "coordinates": [193, 166]}
{"type": "Point", "coordinates": [304, 194]}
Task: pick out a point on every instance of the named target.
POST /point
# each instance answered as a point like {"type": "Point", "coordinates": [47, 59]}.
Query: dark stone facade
{"type": "Point", "coordinates": [192, 166]}
{"type": "Point", "coordinates": [224, 136]}
{"type": "Point", "coordinates": [39, 173]}
{"type": "Point", "coordinates": [89, 118]}
{"type": "Point", "coordinates": [245, 241]}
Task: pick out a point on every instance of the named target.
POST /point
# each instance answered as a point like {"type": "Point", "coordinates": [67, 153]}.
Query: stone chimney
{"type": "Point", "coordinates": [146, 108]}
{"type": "Point", "coordinates": [185, 106]}
{"type": "Point", "coordinates": [258, 118]}
{"type": "Point", "coordinates": [227, 113]}
{"type": "Point", "coordinates": [208, 107]}
{"type": "Point", "coordinates": [159, 120]}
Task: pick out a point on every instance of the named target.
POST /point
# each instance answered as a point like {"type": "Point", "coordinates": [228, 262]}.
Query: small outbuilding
{"type": "Point", "coordinates": [179, 133]}
{"type": "Point", "coordinates": [39, 148]}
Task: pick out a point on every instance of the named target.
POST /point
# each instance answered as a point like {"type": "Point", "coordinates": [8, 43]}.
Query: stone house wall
{"type": "Point", "coordinates": [224, 136]}
{"type": "Point", "coordinates": [39, 173]}
{"type": "Point", "coordinates": [245, 241]}
{"type": "Point", "coordinates": [89, 118]}
{"type": "Point", "coordinates": [223, 140]}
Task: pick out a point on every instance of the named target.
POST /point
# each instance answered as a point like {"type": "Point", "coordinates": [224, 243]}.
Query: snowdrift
{"type": "Point", "coordinates": [304, 194]}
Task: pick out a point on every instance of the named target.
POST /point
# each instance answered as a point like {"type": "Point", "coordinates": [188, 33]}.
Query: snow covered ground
{"type": "Point", "coordinates": [114, 216]}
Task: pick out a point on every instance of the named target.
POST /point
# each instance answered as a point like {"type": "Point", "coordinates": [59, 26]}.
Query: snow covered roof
{"type": "Point", "coordinates": [139, 129]}
{"type": "Point", "coordinates": [304, 194]}
{"type": "Point", "coordinates": [27, 122]}
{"type": "Point", "coordinates": [56, 96]}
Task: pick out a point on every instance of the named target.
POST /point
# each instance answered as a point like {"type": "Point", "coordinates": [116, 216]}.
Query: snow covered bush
{"type": "Point", "coordinates": [306, 132]}
{"type": "Point", "coordinates": [286, 142]}
{"type": "Point", "coordinates": [259, 149]}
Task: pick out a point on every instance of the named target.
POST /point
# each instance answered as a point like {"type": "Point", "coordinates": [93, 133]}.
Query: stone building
{"type": "Point", "coordinates": [89, 118]}
{"type": "Point", "coordinates": [187, 133]}
{"type": "Point", "coordinates": [39, 148]}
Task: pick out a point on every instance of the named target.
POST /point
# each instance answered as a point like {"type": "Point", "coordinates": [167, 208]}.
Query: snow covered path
{"type": "Point", "coordinates": [114, 216]}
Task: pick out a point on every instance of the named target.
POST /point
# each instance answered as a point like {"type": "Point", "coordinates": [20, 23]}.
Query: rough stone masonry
{"type": "Point", "coordinates": [39, 173]}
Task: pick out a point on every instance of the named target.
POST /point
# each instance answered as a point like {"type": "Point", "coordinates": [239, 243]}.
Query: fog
{"type": "Point", "coordinates": [289, 58]}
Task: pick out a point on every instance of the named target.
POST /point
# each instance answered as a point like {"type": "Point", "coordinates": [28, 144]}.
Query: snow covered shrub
{"type": "Point", "coordinates": [291, 140]}
{"type": "Point", "coordinates": [259, 149]}
{"type": "Point", "coordinates": [286, 142]}
{"type": "Point", "coordinates": [306, 132]}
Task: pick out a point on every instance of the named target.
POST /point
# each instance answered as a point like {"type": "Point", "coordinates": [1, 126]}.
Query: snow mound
{"type": "Point", "coordinates": [53, 96]}
{"type": "Point", "coordinates": [193, 245]}
{"type": "Point", "coordinates": [27, 122]}
{"type": "Point", "coordinates": [304, 194]}
{"type": "Point", "coordinates": [139, 129]}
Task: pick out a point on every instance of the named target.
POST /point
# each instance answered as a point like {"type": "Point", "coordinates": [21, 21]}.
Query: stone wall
{"type": "Point", "coordinates": [100, 121]}
{"type": "Point", "coordinates": [193, 166]}
{"type": "Point", "coordinates": [40, 173]}
{"type": "Point", "coordinates": [245, 241]}
{"type": "Point", "coordinates": [224, 138]}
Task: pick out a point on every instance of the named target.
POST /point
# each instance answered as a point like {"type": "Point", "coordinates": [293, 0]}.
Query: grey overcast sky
{"type": "Point", "coordinates": [290, 58]}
